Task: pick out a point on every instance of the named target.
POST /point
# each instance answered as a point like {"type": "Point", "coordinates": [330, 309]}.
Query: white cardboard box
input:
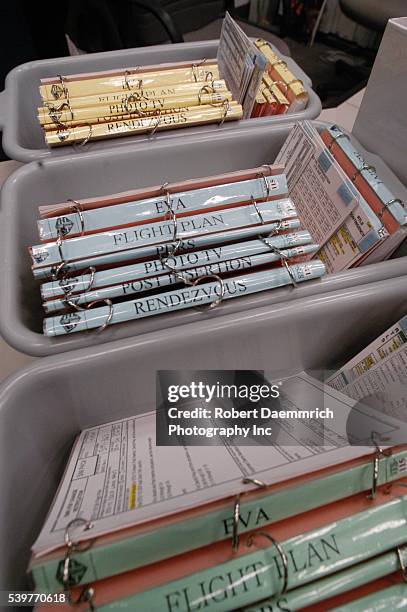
{"type": "Point", "coordinates": [381, 124]}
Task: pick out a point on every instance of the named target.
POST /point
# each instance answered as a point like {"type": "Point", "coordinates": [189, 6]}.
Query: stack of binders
{"type": "Point", "coordinates": [77, 108]}
{"type": "Point", "coordinates": [180, 245]}
{"type": "Point", "coordinates": [127, 530]}
{"type": "Point", "coordinates": [357, 219]}
{"type": "Point", "coordinates": [128, 101]}
{"type": "Point", "coordinates": [281, 91]}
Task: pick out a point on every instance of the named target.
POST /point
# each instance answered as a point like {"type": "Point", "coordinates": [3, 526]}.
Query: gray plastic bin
{"type": "Point", "coordinates": [44, 406]}
{"type": "Point", "coordinates": [105, 172]}
{"type": "Point", "coordinates": [22, 135]}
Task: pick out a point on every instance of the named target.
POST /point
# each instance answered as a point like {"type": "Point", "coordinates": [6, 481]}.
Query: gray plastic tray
{"type": "Point", "coordinates": [105, 172]}
{"type": "Point", "coordinates": [44, 406]}
{"type": "Point", "coordinates": [23, 138]}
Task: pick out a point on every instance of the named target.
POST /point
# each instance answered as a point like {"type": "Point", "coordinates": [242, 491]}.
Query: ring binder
{"type": "Point", "coordinates": [363, 167]}
{"type": "Point", "coordinates": [235, 529]}
{"type": "Point", "coordinates": [335, 138]}
{"type": "Point", "coordinates": [194, 69]}
{"type": "Point", "coordinates": [280, 550]}
{"type": "Point", "coordinates": [263, 176]}
{"type": "Point", "coordinates": [57, 270]}
{"type": "Point", "coordinates": [109, 303]}
{"type": "Point", "coordinates": [205, 89]}
{"type": "Point", "coordinates": [157, 123]}
{"type": "Point", "coordinates": [67, 299]}
{"type": "Point", "coordinates": [256, 208]}
{"type": "Point", "coordinates": [376, 458]}
{"type": "Point", "coordinates": [87, 592]}
{"type": "Point", "coordinates": [77, 207]}
{"type": "Point", "coordinates": [403, 566]}
{"type": "Point", "coordinates": [255, 481]}
{"type": "Point", "coordinates": [386, 206]}
{"type": "Point", "coordinates": [126, 81]}
{"type": "Point", "coordinates": [285, 84]}
{"type": "Point", "coordinates": [88, 137]}
{"type": "Point", "coordinates": [55, 90]}
{"type": "Point", "coordinates": [236, 511]}
{"type": "Point", "coordinates": [55, 113]}
{"type": "Point", "coordinates": [283, 259]}
{"type": "Point", "coordinates": [226, 108]}
{"type": "Point", "coordinates": [217, 301]}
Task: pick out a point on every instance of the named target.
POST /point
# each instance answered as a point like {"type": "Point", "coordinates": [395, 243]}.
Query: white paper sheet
{"type": "Point", "coordinates": [118, 477]}
{"type": "Point", "coordinates": [323, 196]}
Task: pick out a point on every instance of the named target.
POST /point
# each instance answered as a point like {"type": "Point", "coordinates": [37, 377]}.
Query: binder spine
{"type": "Point", "coordinates": [101, 561]}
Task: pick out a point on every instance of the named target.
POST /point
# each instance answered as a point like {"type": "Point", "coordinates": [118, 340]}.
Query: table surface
{"type": "Point", "coordinates": [11, 360]}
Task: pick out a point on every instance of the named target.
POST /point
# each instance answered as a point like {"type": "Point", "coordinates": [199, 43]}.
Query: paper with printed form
{"type": "Point", "coordinates": [118, 477]}
{"type": "Point", "coordinates": [379, 373]}
{"type": "Point", "coordinates": [241, 64]}
{"type": "Point", "coordinates": [321, 192]}
{"type": "Point", "coordinates": [386, 344]}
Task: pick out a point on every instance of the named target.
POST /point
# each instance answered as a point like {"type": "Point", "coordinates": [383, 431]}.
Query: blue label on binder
{"type": "Point", "coordinates": [367, 241]}
{"type": "Point", "coordinates": [324, 161]}
{"type": "Point", "coordinates": [345, 194]}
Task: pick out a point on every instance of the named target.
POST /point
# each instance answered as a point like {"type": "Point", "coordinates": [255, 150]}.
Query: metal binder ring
{"type": "Point", "coordinates": [55, 113]}
{"type": "Point", "coordinates": [363, 167]}
{"type": "Point", "coordinates": [126, 81]}
{"type": "Point", "coordinates": [379, 453]}
{"type": "Point", "coordinates": [157, 123]}
{"type": "Point", "coordinates": [261, 43]}
{"type": "Point", "coordinates": [217, 301]}
{"type": "Point", "coordinates": [205, 89]}
{"type": "Point", "coordinates": [86, 596]}
{"type": "Point", "coordinates": [174, 221]}
{"type": "Point", "coordinates": [255, 481]}
{"type": "Point", "coordinates": [281, 83]}
{"type": "Point", "coordinates": [256, 208]}
{"type": "Point", "coordinates": [283, 258]}
{"type": "Point", "coordinates": [235, 529]}
{"type": "Point", "coordinates": [335, 138]}
{"type": "Point", "coordinates": [56, 272]}
{"type": "Point", "coordinates": [194, 69]}
{"type": "Point", "coordinates": [281, 552]}
{"type": "Point", "coordinates": [290, 272]}
{"type": "Point", "coordinates": [130, 72]}
{"type": "Point", "coordinates": [226, 109]}
{"type": "Point", "coordinates": [67, 299]}
{"type": "Point", "coordinates": [389, 203]}
{"type": "Point", "coordinates": [109, 317]}
{"type": "Point", "coordinates": [278, 63]}
{"type": "Point", "coordinates": [266, 185]}
{"type": "Point", "coordinates": [294, 81]}
{"type": "Point", "coordinates": [55, 90]}
{"type": "Point", "coordinates": [236, 511]}
{"type": "Point", "coordinates": [88, 137]}
{"type": "Point", "coordinates": [403, 566]}
{"type": "Point", "coordinates": [77, 207]}
{"type": "Point", "coordinates": [69, 543]}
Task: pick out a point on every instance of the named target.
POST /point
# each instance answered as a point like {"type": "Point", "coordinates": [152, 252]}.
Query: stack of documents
{"type": "Point", "coordinates": [379, 372]}
{"type": "Point", "coordinates": [185, 244]}
{"type": "Point", "coordinates": [281, 91]}
{"type": "Point", "coordinates": [341, 199]}
{"type": "Point", "coordinates": [133, 101]}
{"type": "Point", "coordinates": [113, 103]}
{"type": "Point", "coordinates": [146, 532]}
